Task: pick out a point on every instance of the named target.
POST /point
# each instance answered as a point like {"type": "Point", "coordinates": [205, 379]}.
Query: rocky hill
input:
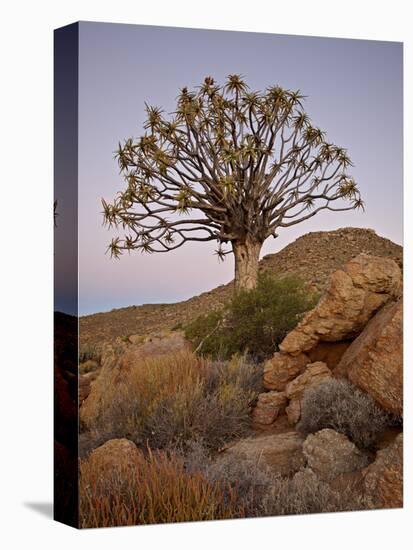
{"type": "Point", "coordinates": [318, 427]}
{"type": "Point", "coordinates": [313, 257]}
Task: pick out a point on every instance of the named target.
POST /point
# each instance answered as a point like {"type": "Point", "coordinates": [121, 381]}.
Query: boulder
{"type": "Point", "coordinates": [329, 454]}
{"type": "Point", "coordinates": [280, 453]}
{"type": "Point", "coordinates": [85, 384]}
{"type": "Point", "coordinates": [383, 479]}
{"type": "Point", "coordinates": [282, 368]}
{"type": "Point", "coordinates": [114, 456]}
{"type": "Point", "coordinates": [268, 408]}
{"type": "Point", "coordinates": [374, 361]}
{"type": "Point", "coordinates": [375, 274]}
{"type": "Point", "coordinates": [352, 297]}
{"type": "Point", "coordinates": [314, 374]}
{"type": "Point", "coordinates": [84, 387]}
{"type": "Point", "coordinates": [88, 366]}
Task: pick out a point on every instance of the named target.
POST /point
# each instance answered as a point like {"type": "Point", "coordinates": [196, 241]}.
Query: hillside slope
{"type": "Point", "coordinates": [312, 257]}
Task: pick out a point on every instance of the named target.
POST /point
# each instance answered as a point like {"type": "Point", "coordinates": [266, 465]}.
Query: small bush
{"type": "Point", "coordinates": [170, 400]}
{"type": "Point", "coordinates": [250, 483]}
{"type": "Point", "coordinates": [254, 322]}
{"type": "Point", "coordinates": [339, 405]}
{"type": "Point", "coordinates": [305, 493]}
{"type": "Point", "coordinates": [157, 490]}
{"type": "Point", "coordinates": [262, 493]}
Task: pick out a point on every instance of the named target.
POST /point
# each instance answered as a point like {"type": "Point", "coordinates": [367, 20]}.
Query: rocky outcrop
{"type": "Point", "coordinates": [116, 455]}
{"type": "Point", "coordinates": [268, 408]}
{"type": "Point", "coordinates": [374, 361]}
{"type": "Point", "coordinates": [281, 369]}
{"type": "Point", "coordinates": [384, 477]}
{"type": "Point", "coordinates": [352, 297]}
{"type": "Point", "coordinates": [329, 454]}
{"type": "Point", "coordinates": [354, 332]}
{"type": "Point", "coordinates": [314, 374]}
{"type": "Point", "coordinates": [282, 454]}
{"type": "Point", "coordinates": [333, 337]}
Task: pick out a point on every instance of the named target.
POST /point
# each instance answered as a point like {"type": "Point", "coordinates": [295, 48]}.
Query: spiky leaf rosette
{"type": "Point", "coordinates": [227, 165]}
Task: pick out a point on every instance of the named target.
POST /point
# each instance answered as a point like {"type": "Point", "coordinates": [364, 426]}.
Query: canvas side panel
{"type": "Point", "coordinates": [66, 64]}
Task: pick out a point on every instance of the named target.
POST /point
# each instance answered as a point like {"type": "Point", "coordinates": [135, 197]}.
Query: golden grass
{"type": "Point", "coordinates": [170, 399]}
{"type": "Point", "coordinates": [166, 374]}
{"type": "Point", "coordinates": [156, 490]}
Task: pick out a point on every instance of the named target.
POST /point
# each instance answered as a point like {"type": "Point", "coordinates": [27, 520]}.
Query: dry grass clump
{"type": "Point", "coordinates": [169, 400]}
{"type": "Point", "coordinates": [157, 490]}
{"type": "Point", "coordinates": [339, 405]}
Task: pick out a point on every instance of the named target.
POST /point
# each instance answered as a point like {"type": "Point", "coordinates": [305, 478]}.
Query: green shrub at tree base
{"type": "Point", "coordinates": [255, 321]}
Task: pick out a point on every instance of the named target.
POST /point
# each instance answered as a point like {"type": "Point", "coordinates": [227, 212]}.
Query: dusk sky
{"type": "Point", "coordinates": [354, 91]}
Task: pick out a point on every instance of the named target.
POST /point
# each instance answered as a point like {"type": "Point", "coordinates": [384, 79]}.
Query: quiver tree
{"type": "Point", "coordinates": [231, 166]}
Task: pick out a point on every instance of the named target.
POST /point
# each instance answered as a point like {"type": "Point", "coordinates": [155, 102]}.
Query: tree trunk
{"type": "Point", "coordinates": [246, 256]}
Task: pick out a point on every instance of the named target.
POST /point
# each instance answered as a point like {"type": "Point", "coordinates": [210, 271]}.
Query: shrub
{"type": "Point", "coordinates": [261, 493]}
{"type": "Point", "coordinates": [339, 405]}
{"type": "Point", "coordinates": [305, 493]}
{"type": "Point", "coordinates": [170, 400]}
{"type": "Point", "coordinates": [249, 482]}
{"type": "Point", "coordinates": [157, 490]}
{"type": "Point", "coordinates": [254, 322]}
{"type": "Point", "coordinates": [170, 487]}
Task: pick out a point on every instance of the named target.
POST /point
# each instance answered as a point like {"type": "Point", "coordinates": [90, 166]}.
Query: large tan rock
{"type": "Point", "coordinates": [383, 479]}
{"type": "Point", "coordinates": [281, 453]}
{"type": "Point", "coordinates": [116, 455]}
{"type": "Point", "coordinates": [88, 366]}
{"type": "Point", "coordinates": [84, 387]}
{"type": "Point", "coordinates": [374, 361]}
{"type": "Point", "coordinates": [352, 297]}
{"type": "Point", "coordinates": [329, 454]}
{"type": "Point", "coordinates": [375, 273]}
{"type": "Point", "coordinates": [315, 374]}
{"type": "Point", "coordinates": [268, 408]}
{"type": "Point", "coordinates": [282, 368]}
{"type": "Point", "coordinates": [85, 382]}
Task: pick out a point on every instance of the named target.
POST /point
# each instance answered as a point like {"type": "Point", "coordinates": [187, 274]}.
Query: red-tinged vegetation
{"type": "Point", "coordinates": [156, 490]}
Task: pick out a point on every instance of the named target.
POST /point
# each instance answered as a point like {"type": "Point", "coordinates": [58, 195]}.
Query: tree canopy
{"type": "Point", "coordinates": [229, 165]}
